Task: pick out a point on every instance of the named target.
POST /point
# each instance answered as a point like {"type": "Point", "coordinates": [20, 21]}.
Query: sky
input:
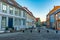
{"type": "Point", "coordinates": [39, 8]}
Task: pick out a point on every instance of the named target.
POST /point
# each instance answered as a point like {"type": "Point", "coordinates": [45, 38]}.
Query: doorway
{"type": "Point", "coordinates": [10, 22]}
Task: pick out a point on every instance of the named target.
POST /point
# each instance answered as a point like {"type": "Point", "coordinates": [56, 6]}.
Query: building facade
{"type": "Point", "coordinates": [13, 15]}
{"type": "Point", "coordinates": [38, 22]}
{"type": "Point", "coordinates": [30, 19]}
{"type": "Point", "coordinates": [53, 18]}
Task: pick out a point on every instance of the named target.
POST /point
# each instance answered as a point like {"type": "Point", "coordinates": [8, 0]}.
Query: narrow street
{"type": "Point", "coordinates": [35, 35]}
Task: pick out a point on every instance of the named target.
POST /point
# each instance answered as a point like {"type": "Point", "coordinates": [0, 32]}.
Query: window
{"type": "Point", "coordinates": [23, 21]}
{"type": "Point", "coordinates": [19, 12]}
{"type": "Point", "coordinates": [52, 18]}
{"type": "Point", "coordinates": [16, 21]}
{"type": "Point", "coordinates": [59, 16]}
{"type": "Point", "coordinates": [16, 12]}
{"type": "Point", "coordinates": [4, 7]}
{"type": "Point", "coordinates": [0, 5]}
{"type": "Point", "coordinates": [3, 22]}
{"type": "Point", "coordinates": [23, 14]}
{"type": "Point", "coordinates": [19, 21]}
{"type": "Point", "coordinates": [59, 24]}
{"type": "Point", "coordinates": [11, 10]}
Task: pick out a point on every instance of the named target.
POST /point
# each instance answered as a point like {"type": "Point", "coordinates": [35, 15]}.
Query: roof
{"type": "Point", "coordinates": [28, 12]}
{"type": "Point", "coordinates": [15, 4]}
{"type": "Point", "coordinates": [54, 9]}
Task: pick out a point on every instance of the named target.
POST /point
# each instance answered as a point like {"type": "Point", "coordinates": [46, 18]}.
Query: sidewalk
{"type": "Point", "coordinates": [10, 34]}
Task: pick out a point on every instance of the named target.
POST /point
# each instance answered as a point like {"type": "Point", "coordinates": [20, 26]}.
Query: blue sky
{"type": "Point", "coordinates": [39, 8]}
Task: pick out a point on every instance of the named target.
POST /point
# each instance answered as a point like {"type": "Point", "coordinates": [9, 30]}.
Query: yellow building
{"type": "Point", "coordinates": [53, 18]}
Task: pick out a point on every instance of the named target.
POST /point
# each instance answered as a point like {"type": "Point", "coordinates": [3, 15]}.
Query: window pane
{"type": "Point", "coordinates": [19, 12]}
{"type": "Point", "coordinates": [16, 21]}
{"type": "Point", "coordinates": [59, 16]}
{"type": "Point", "coordinates": [19, 21]}
{"type": "Point", "coordinates": [24, 22]}
{"type": "Point", "coordinates": [11, 10]}
{"type": "Point", "coordinates": [23, 14]}
{"type": "Point", "coordinates": [3, 22]}
{"type": "Point", "coordinates": [4, 8]}
{"type": "Point", "coordinates": [52, 18]}
{"type": "Point", "coordinates": [0, 5]}
{"type": "Point", "coordinates": [16, 12]}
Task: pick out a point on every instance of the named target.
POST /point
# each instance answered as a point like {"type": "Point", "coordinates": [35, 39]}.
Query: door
{"type": "Point", "coordinates": [10, 22]}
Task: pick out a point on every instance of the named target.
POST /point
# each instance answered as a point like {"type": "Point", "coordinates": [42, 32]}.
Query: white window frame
{"type": "Point", "coordinates": [23, 13]}
{"type": "Point", "coordinates": [4, 7]}
{"type": "Point", "coordinates": [16, 12]}
{"type": "Point", "coordinates": [19, 12]}
{"type": "Point", "coordinates": [11, 9]}
{"type": "Point", "coordinates": [3, 22]}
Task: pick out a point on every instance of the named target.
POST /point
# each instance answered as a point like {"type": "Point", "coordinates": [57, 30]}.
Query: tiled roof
{"type": "Point", "coordinates": [54, 9]}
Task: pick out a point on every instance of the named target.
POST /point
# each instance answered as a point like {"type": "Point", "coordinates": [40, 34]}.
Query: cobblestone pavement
{"type": "Point", "coordinates": [27, 35]}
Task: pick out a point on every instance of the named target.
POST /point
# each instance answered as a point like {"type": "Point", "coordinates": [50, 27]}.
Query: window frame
{"type": "Point", "coordinates": [16, 12]}
{"type": "Point", "coordinates": [11, 10]}
{"type": "Point", "coordinates": [3, 22]}
{"type": "Point", "coordinates": [24, 22]}
{"type": "Point", "coordinates": [4, 7]}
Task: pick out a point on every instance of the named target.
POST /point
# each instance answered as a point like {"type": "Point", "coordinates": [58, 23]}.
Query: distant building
{"type": "Point", "coordinates": [38, 22]}
{"type": "Point", "coordinates": [43, 23]}
{"type": "Point", "coordinates": [53, 18]}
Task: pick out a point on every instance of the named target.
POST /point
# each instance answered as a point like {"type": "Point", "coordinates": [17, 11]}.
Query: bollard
{"type": "Point", "coordinates": [56, 31]}
{"type": "Point", "coordinates": [38, 31]}
{"type": "Point", "coordinates": [47, 31]}
{"type": "Point", "coordinates": [23, 31]}
{"type": "Point", "coordinates": [31, 31]}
